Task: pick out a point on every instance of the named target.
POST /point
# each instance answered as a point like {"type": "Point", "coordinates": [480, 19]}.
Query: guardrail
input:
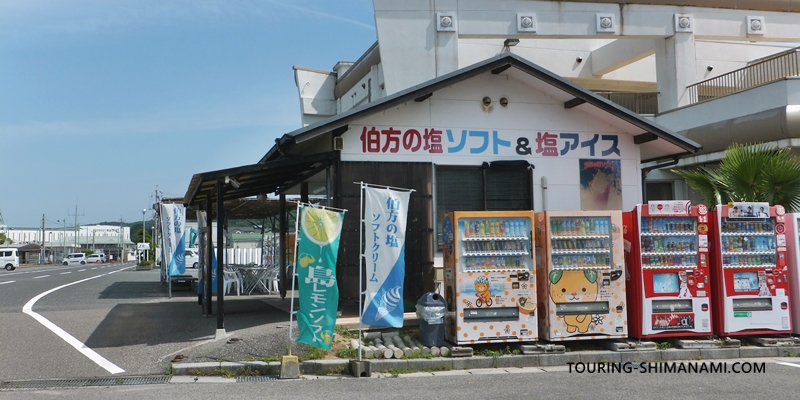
{"type": "Point", "coordinates": [769, 70]}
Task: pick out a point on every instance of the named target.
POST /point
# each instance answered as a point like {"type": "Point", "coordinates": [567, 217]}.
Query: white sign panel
{"type": "Point", "coordinates": [671, 207]}
{"type": "Point", "coordinates": [408, 143]}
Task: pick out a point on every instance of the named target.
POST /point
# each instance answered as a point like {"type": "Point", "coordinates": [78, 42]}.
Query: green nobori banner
{"type": "Point", "coordinates": [318, 236]}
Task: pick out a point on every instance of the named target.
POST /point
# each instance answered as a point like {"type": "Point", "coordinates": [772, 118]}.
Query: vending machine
{"type": "Point", "coordinates": [580, 265]}
{"type": "Point", "coordinates": [793, 260]}
{"type": "Point", "coordinates": [666, 253]}
{"type": "Point", "coordinates": [749, 269]}
{"type": "Point", "coordinates": [489, 277]}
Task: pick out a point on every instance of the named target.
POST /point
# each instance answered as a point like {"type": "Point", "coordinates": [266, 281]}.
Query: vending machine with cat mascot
{"type": "Point", "coordinates": [489, 277]}
{"type": "Point", "coordinates": [581, 275]}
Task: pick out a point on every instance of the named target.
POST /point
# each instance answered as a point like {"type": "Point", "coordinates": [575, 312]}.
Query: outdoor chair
{"type": "Point", "coordinates": [232, 277]}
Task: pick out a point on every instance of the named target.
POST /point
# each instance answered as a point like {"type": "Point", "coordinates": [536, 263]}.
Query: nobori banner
{"type": "Point", "coordinates": [413, 143]}
{"type": "Point", "coordinates": [173, 226]}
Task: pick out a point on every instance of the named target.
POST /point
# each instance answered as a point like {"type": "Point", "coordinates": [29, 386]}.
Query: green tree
{"type": "Point", "coordinates": [3, 238]}
{"type": "Point", "coordinates": [749, 172]}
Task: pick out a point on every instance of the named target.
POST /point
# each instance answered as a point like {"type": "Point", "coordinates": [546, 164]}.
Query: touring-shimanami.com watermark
{"type": "Point", "coordinates": [682, 367]}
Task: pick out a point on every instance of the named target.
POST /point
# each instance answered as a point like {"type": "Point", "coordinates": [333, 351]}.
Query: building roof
{"type": "Point", "coordinates": [256, 179]}
{"type": "Point", "coordinates": [656, 142]}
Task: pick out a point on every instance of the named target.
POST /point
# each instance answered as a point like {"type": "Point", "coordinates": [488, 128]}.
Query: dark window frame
{"type": "Point", "coordinates": [494, 177]}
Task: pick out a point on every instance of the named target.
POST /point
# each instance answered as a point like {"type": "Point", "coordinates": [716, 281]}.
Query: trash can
{"type": "Point", "coordinates": [430, 311]}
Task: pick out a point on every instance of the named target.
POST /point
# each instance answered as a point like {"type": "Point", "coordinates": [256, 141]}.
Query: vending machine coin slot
{"type": "Point", "coordinates": [752, 304]}
{"type": "Point", "coordinates": [598, 307]}
{"type": "Point", "coordinates": [670, 306]}
{"type": "Point", "coordinates": [491, 314]}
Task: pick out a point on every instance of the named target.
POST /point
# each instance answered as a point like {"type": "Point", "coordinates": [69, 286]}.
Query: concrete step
{"type": "Point", "coordinates": [627, 345]}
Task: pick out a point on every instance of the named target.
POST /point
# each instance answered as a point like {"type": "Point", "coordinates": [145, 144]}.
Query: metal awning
{"type": "Point", "coordinates": [256, 179]}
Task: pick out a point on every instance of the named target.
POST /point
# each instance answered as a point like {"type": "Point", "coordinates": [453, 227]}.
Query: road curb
{"type": "Point", "coordinates": [342, 367]}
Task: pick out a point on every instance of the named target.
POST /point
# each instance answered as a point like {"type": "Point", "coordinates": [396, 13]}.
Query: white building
{"type": "Point", "coordinates": [59, 241]}
{"type": "Point", "coordinates": [505, 105]}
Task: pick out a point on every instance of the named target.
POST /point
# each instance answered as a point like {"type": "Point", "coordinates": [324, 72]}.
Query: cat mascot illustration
{"type": "Point", "coordinates": [574, 287]}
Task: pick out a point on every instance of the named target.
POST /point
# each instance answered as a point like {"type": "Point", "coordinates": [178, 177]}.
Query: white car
{"type": "Point", "coordinates": [192, 258]}
{"type": "Point", "coordinates": [74, 258]}
{"type": "Point", "coordinates": [95, 258]}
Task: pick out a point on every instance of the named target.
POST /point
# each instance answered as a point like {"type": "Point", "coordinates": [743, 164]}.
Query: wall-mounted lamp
{"type": "Point", "coordinates": [579, 60]}
{"type": "Point", "coordinates": [486, 101]}
{"type": "Point", "coordinates": [709, 68]}
{"type": "Point", "coordinates": [510, 42]}
{"type": "Point", "coordinates": [503, 101]}
{"type": "Point", "coordinates": [231, 181]}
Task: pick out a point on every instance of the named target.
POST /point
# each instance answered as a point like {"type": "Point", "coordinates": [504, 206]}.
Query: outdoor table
{"type": "Point", "coordinates": [253, 278]}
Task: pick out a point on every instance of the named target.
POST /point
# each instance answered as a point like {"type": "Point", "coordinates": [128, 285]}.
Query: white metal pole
{"type": "Point", "coordinates": [360, 269]}
{"type": "Point", "coordinates": [294, 272]}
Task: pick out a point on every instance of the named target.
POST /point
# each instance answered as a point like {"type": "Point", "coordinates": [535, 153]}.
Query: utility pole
{"type": "Point", "coordinates": [77, 231]}
{"type": "Point", "coordinates": [121, 250]}
{"type": "Point", "coordinates": [43, 249]}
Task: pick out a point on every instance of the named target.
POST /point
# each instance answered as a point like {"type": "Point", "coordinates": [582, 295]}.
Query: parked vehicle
{"type": "Point", "coordinates": [192, 258]}
{"type": "Point", "coordinates": [95, 258]}
{"type": "Point", "coordinates": [9, 258]}
{"type": "Point", "coordinates": [74, 258]}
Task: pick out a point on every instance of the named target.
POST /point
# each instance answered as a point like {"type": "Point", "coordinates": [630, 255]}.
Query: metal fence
{"type": "Point", "coordinates": [638, 102]}
{"type": "Point", "coordinates": [769, 70]}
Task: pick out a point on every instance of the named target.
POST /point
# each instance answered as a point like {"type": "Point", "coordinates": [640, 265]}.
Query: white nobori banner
{"type": "Point", "coordinates": [173, 226]}
{"type": "Point", "coordinates": [385, 216]}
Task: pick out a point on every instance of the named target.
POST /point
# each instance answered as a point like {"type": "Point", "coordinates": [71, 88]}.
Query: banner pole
{"type": "Point", "coordinates": [294, 272]}
{"type": "Point", "coordinates": [360, 271]}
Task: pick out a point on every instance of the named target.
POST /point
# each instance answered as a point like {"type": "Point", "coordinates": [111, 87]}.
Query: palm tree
{"type": "Point", "coordinates": [749, 173]}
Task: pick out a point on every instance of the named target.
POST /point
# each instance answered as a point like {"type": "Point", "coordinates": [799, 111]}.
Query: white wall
{"type": "Point", "coordinates": [458, 109]}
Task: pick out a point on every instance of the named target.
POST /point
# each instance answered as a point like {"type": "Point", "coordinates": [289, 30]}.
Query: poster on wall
{"type": "Point", "coordinates": [601, 184]}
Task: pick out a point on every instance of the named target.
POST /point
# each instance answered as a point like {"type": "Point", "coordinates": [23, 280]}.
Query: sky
{"type": "Point", "coordinates": [103, 103]}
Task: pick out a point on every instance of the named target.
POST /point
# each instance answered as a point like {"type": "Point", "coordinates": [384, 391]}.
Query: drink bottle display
{"type": "Point", "coordinates": [489, 277]}
{"type": "Point", "coordinates": [581, 276]}
{"type": "Point", "coordinates": [668, 262]}
{"type": "Point", "coordinates": [751, 267]}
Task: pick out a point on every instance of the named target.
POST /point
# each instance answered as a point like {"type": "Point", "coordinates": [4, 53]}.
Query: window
{"type": "Point", "coordinates": [659, 191]}
{"type": "Point", "coordinates": [496, 186]}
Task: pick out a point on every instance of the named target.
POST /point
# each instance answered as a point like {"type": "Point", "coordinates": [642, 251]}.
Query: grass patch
{"type": "Point", "coordinates": [420, 355]}
{"type": "Point", "coordinates": [270, 359]}
{"type": "Point", "coordinates": [344, 332]}
{"type": "Point", "coordinates": [312, 353]}
{"type": "Point", "coordinates": [226, 373]}
{"type": "Point", "coordinates": [395, 372]}
{"type": "Point", "coordinates": [663, 346]}
{"type": "Point", "coordinates": [347, 353]}
{"type": "Point", "coordinates": [497, 351]}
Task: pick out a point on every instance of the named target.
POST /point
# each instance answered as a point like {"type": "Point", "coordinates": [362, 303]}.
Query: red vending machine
{"type": "Point", "coordinates": [793, 260]}
{"type": "Point", "coordinates": [749, 270]}
{"type": "Point", "coordinates": [666, 252]}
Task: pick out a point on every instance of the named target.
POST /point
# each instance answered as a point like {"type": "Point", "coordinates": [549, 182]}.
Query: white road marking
{"type": "Point", "coordinates": [3, 283]}
{"type": "Point", "coordinates": [64, 273]}
{"type": "Point", "coordinates": [789, 364]}
{"type": "Point", "coordinates": [94, 268]}
{"type": "Point", "coordinates": [81, 270]}
{"type": "Point", "coordinates": [43, 276]}
{"type": "Point", "coordinates": [91, 354]}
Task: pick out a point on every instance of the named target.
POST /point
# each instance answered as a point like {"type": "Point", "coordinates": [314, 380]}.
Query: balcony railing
{"type": "Point", "coordinates": [640, 103]}
{"type": "Point", "coordinates": [769, 70]}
